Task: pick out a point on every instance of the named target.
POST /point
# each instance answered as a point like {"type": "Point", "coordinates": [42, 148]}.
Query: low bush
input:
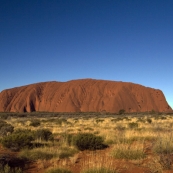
{"type": "Point", "coordinates": [89, 129]}
{"type": "Point", "coordinates": [5, 128]}
{"type": "Point", "coordinates": [117, 119]}
{"type": "Point", "coordinates": [163, 118]}
{"type": "Point", "coordinates": [67, 152]}
{"type": "Point", "coordinates": [60, 121]}
{"type": "Point", "coordinates": [120, 128]}
{"type": "Point", "coordinates": [58, 170]}
{"type": "Point", "coordinates": [18, 140]}
{"type": "Point", "coordinates": [99, 170]}
{"type": "Point", "coordinates": [99, 121]}
{"type": "Point", "coordinates": [43, 134]}
{"type": "Point", "coordinates": [35, 123]}
{"type": "Point", "coordinates": [88, 141]}
{"type": "Point", "coordinates": [133, 125]}
{"type": "Point", "coordinates": [149, 120]}
{"type": "Point", "coordinates": [141, 120]}
{"type": "Point", "coordinates": [37, 153]}
{"type": "Point", "coordinates": [4, 116]}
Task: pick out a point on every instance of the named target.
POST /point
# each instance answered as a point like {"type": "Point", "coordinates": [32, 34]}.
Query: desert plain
{"type": "Point", "coordinates": [120, 143]}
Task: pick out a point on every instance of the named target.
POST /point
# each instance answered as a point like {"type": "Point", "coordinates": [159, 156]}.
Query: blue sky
{"type": "Point", "coordinates": [61, 40]}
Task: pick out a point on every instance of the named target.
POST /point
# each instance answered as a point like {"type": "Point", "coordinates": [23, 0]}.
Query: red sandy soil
{"type": "Point", "coordinates": [85, 95]}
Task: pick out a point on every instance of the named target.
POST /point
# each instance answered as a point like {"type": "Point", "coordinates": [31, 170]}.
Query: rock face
{"type": "Point", "coordinates": [85, 95]}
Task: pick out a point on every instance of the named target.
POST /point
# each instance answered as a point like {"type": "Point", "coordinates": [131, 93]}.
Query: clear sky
{"type": "Point", "coordinates": [61, 40]}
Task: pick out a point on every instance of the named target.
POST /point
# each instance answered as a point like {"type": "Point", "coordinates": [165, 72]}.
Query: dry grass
{"type": "Point", "coordinates": [96, 161]}
{"type": "Point", "coordinates": [128, 141]}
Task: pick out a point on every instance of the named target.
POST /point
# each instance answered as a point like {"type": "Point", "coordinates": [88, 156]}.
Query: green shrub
{"type": "Point", "coordinates": [4, 116]}
{"type": "Point", "coordinates": [149, 120]}
{"type": "Point", "coordinates": [67, 152]}
{"type": "Point", "coordinates": [141, 120]}
{"type": "Point", "coordinates": [24, 131]}
{"type": "Point", "coordinates": [18, 140]}
{"type": "Point", "coordinates": [88, 141]}
{"type": "Point", "coordinates": [117, 119]}
{"type": "Point", "coordinates": [89, 129]}
{"type": "Point", "coordinates": [163, 118]}
{"type": "Point", "coordinates": [120, 128]}
{"type": "Point", "coordinates": [58, 170]}
{"type": "Point", "coordinates": [5, 128]}
{"type": "Point", "coordinates": [99, 170]}
{"type": "Point", "coordinates": [37, 153]}
{"type": "Point", "coordinates": [43, 134]}
{"type": "Point", "coordinates": [60, 121]}
{"type": "Point", "coordinates": [133, 125]}
{"type": "Point", "coordinates": [35, 123]}
{"type": "Point", "coordinates": [99, 121]}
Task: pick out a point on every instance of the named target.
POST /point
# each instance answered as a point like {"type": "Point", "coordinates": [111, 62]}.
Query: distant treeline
{"type": "Point", "coordinates": [6, 115]}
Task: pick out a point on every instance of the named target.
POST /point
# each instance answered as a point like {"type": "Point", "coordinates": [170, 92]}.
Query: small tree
{"type": "Point", "coordinates": [121, 111]}
{"type": "Point", "coordinates": [152, 111]}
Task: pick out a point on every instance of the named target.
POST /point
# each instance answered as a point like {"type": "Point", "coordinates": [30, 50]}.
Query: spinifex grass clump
{"type": "Point", "coordinates": [164, 148]}
{"type": "Point", "coordinates": [60, 121]}
{"type": "Point", "coordinates": [129, 152]}
{"type": "Point", "coordinates": [38, 153]}
{"type": "Point", "coordinates": [66, 152]}
{"type": "Point", "coordinates": [47, 153]}
{"type": "Point", "coordinates": [164, 144]}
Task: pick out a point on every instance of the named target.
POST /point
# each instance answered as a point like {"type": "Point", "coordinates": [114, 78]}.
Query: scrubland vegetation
{"type": "Point", "coordinates": [89, 143]}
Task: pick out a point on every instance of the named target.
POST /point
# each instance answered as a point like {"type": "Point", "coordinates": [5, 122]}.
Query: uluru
{"type": "Point", "coordinates": [83, 95]}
